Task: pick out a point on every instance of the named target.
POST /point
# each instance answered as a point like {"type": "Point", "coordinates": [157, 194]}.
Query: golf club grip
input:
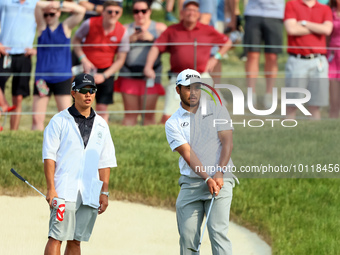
{"type": "Point", "coordinates": [17, 175]}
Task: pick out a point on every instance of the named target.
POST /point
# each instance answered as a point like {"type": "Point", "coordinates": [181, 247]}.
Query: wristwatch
{"type": "Point", "coordinates": [303, 23]}
{"type": "Point", "coordinates": [105, 193]}
{"type": "Point", "coordinates": [61, 4]}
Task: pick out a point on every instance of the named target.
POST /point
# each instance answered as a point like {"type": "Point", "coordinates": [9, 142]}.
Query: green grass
{"type": "Point", "coordinates": [296, 216]}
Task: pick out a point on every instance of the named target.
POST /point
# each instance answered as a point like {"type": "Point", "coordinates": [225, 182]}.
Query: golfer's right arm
{"type": "Point", "coordinates": [49, 169]}
{"type": "Point", "coordinates": [195, 164]}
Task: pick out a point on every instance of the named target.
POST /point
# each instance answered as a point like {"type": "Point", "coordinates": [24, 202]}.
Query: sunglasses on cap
{"type": "Point", "coordinates": [110, 12]}
{"type": "Point", "coordinates": [52, 14]}
{"type": "Point", "coordinates": [138, 11]}
{"type": "Point", "coordinates": [85, 90]}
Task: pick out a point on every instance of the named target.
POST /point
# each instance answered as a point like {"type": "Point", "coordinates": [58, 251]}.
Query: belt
{"type": "Point", "coordinates": [17, 55]}
{"type": "Point", "coordinates": [309, 56]}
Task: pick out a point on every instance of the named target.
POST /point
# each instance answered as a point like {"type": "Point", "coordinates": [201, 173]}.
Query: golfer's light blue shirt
{"type": "Point", "coordinates": [17, 25]}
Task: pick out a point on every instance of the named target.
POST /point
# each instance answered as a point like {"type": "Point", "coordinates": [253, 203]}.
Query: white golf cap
{"type": "Point", "coordinates": [187, 77]}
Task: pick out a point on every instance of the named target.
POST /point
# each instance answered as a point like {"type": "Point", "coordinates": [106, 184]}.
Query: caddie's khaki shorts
{"type": "Point", "coordinates": [78, 222]}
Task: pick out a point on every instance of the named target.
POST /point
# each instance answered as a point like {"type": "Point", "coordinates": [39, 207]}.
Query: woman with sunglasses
{"type": "Point", "coordinates": [142, 30]}
{"type": "Point", "coordinates": [53, 68]}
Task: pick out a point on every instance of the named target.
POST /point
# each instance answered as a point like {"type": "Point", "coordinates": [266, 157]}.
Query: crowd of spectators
{"type": "Point", "coordinates": [102, 46]}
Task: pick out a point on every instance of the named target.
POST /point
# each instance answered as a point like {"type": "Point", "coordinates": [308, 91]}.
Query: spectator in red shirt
{"type": "Point", "coordinates": [103, 56]}
{"type": "Point", "coordinates": [183, 56]}
{"type": "Point", "coordinates": [308, 23]}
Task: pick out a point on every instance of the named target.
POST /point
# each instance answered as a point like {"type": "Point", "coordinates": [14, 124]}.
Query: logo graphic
{"type": "Point", "coordinates": [59, 205]}
{"type": "Point", "coordinates": [85, 79]}
{"type": "Point", "coordinates": [60, 212]}
{"type": "Point", "coordinates": [211, 95]}
{"type": "Point", "coordinates": [188, 76]}
{"type": "Point", "coordinates": [239, 102]}
{"type": "Point", "coordinates": [184, 124]}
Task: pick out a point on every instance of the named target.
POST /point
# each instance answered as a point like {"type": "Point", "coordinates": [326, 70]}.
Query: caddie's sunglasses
{"type": "Point", "coordinates": [110, 12]}
{"type": "Point", "coordinates": [85, 90]}
{"type": "Point", "coordinates": [138, 11]}
{"type": "Point", "coordinates": [52, 14]}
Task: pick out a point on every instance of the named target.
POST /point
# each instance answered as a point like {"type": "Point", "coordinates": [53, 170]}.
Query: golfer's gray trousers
{"type": "Point", "coordinates": [192, 203]}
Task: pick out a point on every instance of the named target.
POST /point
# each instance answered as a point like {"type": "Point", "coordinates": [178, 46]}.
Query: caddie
{"type": "Point", "coordinates": [78, 153]}
{"type": "Point", "coordinates": [205, 157]}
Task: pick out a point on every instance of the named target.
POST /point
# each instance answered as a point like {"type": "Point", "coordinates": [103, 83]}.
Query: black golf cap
{"type": "Point", "coordinates": [82, 80]}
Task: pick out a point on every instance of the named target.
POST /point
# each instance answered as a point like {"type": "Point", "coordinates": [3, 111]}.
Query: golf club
{"type": "Point", "coordinates": [205, 225]}
{"type": "Point", "coordinates": [25, 181]}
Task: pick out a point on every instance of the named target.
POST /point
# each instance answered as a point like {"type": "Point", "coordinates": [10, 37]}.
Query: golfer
{"type": "Point", "coordinates": [204, 151]}
{"type": "Point", "coordinates": [78, 153]}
